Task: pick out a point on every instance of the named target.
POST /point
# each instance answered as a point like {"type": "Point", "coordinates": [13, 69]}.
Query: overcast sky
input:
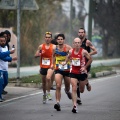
{"type": "Point", "coordinates": [66, 7]}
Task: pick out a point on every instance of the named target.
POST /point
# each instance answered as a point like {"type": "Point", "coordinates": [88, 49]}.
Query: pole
{"type": "Point", "coordinates": [18, 39]}
{"type": "Point", "coordinates": [90, 20]}
{"type": "Point", "coordinates": [71, 5]}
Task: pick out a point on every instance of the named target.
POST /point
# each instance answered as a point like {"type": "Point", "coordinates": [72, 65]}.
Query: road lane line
{"type": "Point", "coordinates": [24, 96]}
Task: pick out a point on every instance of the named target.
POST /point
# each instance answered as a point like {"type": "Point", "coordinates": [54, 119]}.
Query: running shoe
{"type": "Point", "coordinates": [74, 110]}
{"type": "Point", "coordinates": [79, 101]}
{"type": "Point", "coordinates": [68, 94]}
{"type": "Point", "coordinates": [44, 99]}
{"type": "Point", "coordinates": [4, 92]}
{"type": "Point", "coordinates": [49, 97]}
{"type": "Point", "coordinates": [57, 107]}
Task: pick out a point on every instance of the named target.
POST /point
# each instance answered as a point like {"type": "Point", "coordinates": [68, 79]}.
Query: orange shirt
{"type": "Point", "coordinates": [46, 56]}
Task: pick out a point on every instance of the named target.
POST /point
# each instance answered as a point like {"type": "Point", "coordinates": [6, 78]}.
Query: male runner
{"type": "Point", "coordinates": [87, 45]}
{"type": "Point", "coordinates": [61, 72]}
{"type": "Point", "coordinates": [78, 71]}
{"type": "Point", "coordinates": [45, 52]}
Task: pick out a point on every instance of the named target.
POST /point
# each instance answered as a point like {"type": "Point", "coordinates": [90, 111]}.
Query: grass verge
{"type": "Point", "coordinates": [94, 70]}
{"type": "Point", "coordinates": [28, 79]}
{"type": "Point", "coordinates": [37, 78]}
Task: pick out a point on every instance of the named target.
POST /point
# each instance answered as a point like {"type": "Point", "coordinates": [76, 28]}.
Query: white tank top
{"type": "Point", "coordinates": [3, 64]}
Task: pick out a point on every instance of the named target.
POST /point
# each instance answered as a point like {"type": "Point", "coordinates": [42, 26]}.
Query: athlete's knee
{"type": "Point", "coordinates": [74, 88]}
{"type": "Point", "coordinates": [58, 86]}
{"type": "Point", "coordinates": [48, 79]}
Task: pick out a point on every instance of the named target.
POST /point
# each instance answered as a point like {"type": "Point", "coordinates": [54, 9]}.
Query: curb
{"type": "Point", "coordinates": [39, 85]}
{"type": "Point", "coordinates": [104, 73]}
{"type": "Point", "coordinates": [28, 85]}
{"type": "Point", "coordinates": [33, 85]}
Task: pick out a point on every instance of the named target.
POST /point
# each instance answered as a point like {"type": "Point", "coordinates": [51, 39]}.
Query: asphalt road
{"type": "Point", "coordinates": [102, 103]}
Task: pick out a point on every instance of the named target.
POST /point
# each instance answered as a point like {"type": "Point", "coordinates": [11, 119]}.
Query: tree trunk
{"type": "Point", "coordinates": [105, 46]}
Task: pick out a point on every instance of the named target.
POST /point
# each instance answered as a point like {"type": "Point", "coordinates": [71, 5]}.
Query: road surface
{"type": "Point", "coordinates": [102, 103]}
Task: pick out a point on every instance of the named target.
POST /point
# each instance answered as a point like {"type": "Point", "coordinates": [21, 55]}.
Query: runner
{"type": "Point", "coordinates": [87, 45]}
{"type": "Point", "coordinates": [45, 52]}
{"type": "Point", "coordinates": [61, 72]}
{"type": "Point", "coordinates": [78, 71]}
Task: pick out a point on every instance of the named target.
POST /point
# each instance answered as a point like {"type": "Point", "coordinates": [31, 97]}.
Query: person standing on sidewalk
{"type": "Point", "coordinates": [45, 52]}
{"type": "Point", "coordinates": [78, 71]}
{"type": "Point", "coordinates": [4, 65]}
{"type": "Point", "coordinates": [7, 36]}
{"type": "Point", "coordinates": [87, 45]}
{"type": "Point", "coordinates": [61, 72]}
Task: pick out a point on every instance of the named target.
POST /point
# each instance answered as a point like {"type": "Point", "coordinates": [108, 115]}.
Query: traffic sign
{"type": "Point", "coordinates": [24, 4]}
{"type": "Point", "coordinates": [8, 4]}
{"type": "Point", "coordinates": [29, 5]}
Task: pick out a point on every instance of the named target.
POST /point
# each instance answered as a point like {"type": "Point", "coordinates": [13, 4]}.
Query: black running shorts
{"type": "Point", "coordinates": [79, 77]}
{"type": "Point", "coordinates": [43, 71]}
{"type": "Point", "coordinates": [63, 73]}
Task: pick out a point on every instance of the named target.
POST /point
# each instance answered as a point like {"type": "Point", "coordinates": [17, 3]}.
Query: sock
{"type": "Point", "coordinates": [78, 90]}
{"type": "Point", "coordinates": [87, 84]}
{"type": "Point", "coordinates": [58, 102]}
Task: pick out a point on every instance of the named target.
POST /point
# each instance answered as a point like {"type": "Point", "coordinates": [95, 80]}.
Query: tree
{"type": "Point", "coordinates": [33, 26]}
{"type": "Point", "coordinates": [107, 16]}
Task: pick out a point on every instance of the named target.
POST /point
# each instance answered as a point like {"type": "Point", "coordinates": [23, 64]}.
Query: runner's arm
{"type": "Point", "coordinates": [38, 52]}
{"type": "Point", "coordinates": [94, 50]}
{"type": "Point", "coordinates": [87, 55]}
{"type": "Point", "coordinates": [53, 57]}
{"type": "Point", "coordinates": [68, 57]}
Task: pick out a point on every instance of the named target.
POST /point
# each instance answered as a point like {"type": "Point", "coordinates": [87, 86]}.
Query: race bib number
{"type": "Point", "coordinates": [62, 67]}
{"type": "Point", "coordinates": [76, 61]}
{"type": "Point", "coordinates": [45, 61]}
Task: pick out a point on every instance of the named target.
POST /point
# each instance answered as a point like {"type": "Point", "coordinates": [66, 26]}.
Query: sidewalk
{"type": "Point", "coordinates": [33, 70]}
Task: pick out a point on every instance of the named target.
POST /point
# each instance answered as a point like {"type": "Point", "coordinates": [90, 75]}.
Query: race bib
{"type": "Point", "coordinates": [45, 61]}
{"type": "Point", "coordinates": [76, 61]}
{"type": "Point", "coordinates": [62, 67]}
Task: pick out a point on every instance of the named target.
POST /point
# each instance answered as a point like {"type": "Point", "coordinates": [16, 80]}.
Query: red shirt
{"type": "Point", "coordinates": [78, 61]}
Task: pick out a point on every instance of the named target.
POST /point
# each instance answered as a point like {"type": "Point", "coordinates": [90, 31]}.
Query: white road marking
{"type": "Point", "coordinates": [24, 96]}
